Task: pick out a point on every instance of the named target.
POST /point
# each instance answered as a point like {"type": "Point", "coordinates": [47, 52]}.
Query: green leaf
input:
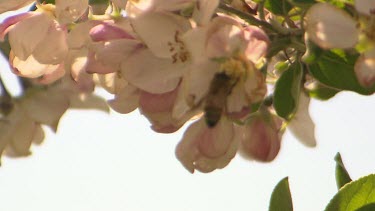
{"type": "Point", "coordinates": [281, 199]}
{"type": "Point", "coordinates": [278, 7]}
{"type": "Point", "coordinates": [91, 2]}
{"type": "Point", "coordinates": [302, 3]}
{"type": "Point", "coordinates": [322, 92]}
{"type": "Point", "coordinates": [336, 69]}
{"type": "Point", "coordinates": [99, 2]}
{"type": "Point", "coordinates": [367, 207]}
{"type": "Point", "coordinates": [340, 3]}
{"type": "Point", "coordinates": [342, 175]}
{"type": "Point", "coordinates": [287, 90]}
{"type": "Point", "coordinates": [313, 52]}
{"type": "Point", "coordinates": [278, 44]}
{"type": "Point", "coordinates": [354, 195]}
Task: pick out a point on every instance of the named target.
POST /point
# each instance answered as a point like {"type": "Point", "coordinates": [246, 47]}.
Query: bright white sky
{"type": "Point", "coordinates": [114, 162]}
{"type": "Point", "coordinates": [100, 162]}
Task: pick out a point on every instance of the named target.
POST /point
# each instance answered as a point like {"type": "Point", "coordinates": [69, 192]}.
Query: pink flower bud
{"type": "Point", "coordinates": [260, 138]}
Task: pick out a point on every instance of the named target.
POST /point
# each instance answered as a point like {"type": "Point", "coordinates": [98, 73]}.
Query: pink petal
{"type": "Point", "coordinates": [126, 101]}
{"type": "Point", "coordinates": [53, 49]}
{"type": "Point", "coordinates": [189, 150]}
{"type": "Point", "coordinates": [157, 102]}
{"type": "Point", "coordinates": [257, 43]}
{"type": "Point", "coordinates": [112, 53]}
{"type": "Point", "coordinates": [260, 139]}
{"type": "Point", "coordinates": [106, 31]}
{"type": "Point", "coordinates": [7, 24]}
{"type": "Point", "coordinates": [95, 66]}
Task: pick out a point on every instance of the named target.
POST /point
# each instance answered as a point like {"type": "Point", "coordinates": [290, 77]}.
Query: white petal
{"type": "Point", "coordinates": [126, 100]}
{"type": "Point", "coordinates": [255, 85]}
{"type": "Point", "coordinates": [35, 27]}
{"type": "Point", "coordinates": [23, 138]}
{"type": "Point", "coordinates": [53, 48]}
{"type": "Point", "coordinates": [181, 107]}
{"type": "Point", "coordinates": [6, 130]}
{"type": "Point", "coordinates": [88, 101]}
{"type": "Point", "coordinates": [51, 75]}
{"type": "Point", "coordinates": [330, 27]}
{"type": "Point", "coordinates": [204, 10]}
{"type": "Point", "coordinates": [46, 107]}
{"type": "Point", "coordinates": [366, 7]}
{"type": "Point", "coordinates": [198, 81]}
{"type": "Point", "coordinates": [30, 67]}
{"type": "Point", "coordinates": [302, 126]}
{"type": "Point", "coordinates": [236, 101]}
{"type": "Point", "coordinates": [195, 42]}
{"type": "Point", "coordinates": [155, 75]}
{"type": "Point", "coordinates": [158, 30]}
{"type": "Point", "coordinates": [79, 36]}
{"type": "Point", "coordinates": [112, 53]}
{"type": "Point", "coordinates": [8, 5]}
{"type": "Point", "coordinates": [171, 5]}
{"type": "Point", "coordinates": [68, 11]}
{"type": "Point", "coordinates": [365, 70]}
{"type": "Point", "coordinates": [21, 132]}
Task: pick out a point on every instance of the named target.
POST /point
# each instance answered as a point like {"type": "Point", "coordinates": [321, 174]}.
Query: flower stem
{"type": "Point", "coordinates": [248, 18]}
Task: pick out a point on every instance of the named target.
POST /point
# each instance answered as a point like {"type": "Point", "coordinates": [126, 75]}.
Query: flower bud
{"type": "Point", "coordinates": [260, 138]}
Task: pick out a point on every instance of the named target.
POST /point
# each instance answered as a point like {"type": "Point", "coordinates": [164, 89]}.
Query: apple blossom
{"type": "Point", "coordinates": [10, 5]}
{"type": "Point", "coordinates": [207, 149]}
{"type": "Point", "coordinates": [235, 57]}
{"type": "Point", "coordinates": [324, 21]}
{"type": "Point", "coordinates": [39, 53]}
{"type": "Point", "coordinates": [164, 50]}
{"type": "Point", "coordinates": [175, 61]}
{"type": "Point", "coordinates": [68, 11]}
{"type": "Point", "coordinates": [158, 108]}
{"type": "Point", "coordinates": [138, 7]}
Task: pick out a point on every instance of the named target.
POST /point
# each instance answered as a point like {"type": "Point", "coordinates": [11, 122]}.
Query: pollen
{"type": "Point", "coordinates": [178, 49]}
{"type": "Point", "coordinates": [236, 67]}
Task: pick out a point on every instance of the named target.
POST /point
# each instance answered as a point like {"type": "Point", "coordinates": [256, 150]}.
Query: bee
{"type": "Point", "coordinates": [220, 88]}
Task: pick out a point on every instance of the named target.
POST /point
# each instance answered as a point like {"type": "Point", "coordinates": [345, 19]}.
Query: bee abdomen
{"type": "Point", "coordinates": [212, 115]}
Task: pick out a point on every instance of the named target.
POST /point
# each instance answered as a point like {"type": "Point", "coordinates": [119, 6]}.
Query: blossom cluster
{"type": "Point", "coordinates": [178, 62]}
